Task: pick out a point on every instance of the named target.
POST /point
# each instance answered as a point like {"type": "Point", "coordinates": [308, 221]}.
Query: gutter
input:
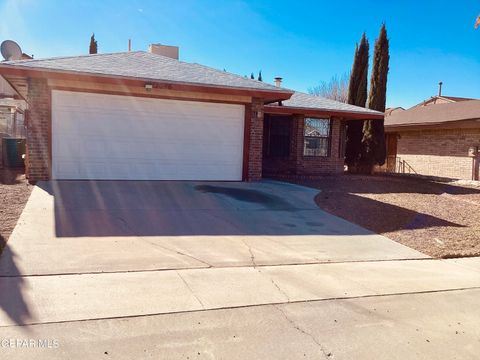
{"type": "Point", "coordinates": [353, 115]}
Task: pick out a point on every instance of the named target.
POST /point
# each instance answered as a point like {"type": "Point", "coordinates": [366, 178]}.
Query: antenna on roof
{"type": "Point", "coordinates": [440, 88]}
{"type": "Point", "coordinates": [129, 45]}
{"type": "Point", "coordinates": [10, 50]}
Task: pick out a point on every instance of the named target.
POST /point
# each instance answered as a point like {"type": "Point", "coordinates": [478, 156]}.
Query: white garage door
{"type": "Point", "coordinates": [97, 136]}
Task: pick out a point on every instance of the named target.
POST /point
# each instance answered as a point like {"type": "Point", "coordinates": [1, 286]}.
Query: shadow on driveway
{"type": "Point", "coordinates": [156, 208]}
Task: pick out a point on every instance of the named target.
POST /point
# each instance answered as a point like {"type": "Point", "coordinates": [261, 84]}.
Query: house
{"type": "Point", "coordinates": [148, 116]}
{"type": "Point", "coordinates": [438, 137]}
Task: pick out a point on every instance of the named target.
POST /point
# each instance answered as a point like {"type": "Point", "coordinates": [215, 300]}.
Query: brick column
{"type": "Point", "coordinates": [38, 130]}
{"type": "Point", "coordinates": [255, 141]}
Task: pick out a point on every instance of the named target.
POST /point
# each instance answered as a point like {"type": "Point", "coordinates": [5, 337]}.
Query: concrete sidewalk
{"type": "Point", "coordinates": [45, 299]}
{"type": "Point", "coordinates": [440, 325]}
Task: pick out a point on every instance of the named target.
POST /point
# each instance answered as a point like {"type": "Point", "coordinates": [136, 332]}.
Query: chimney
{"type": "Point", "coordinates": [278, 81]}
{"type": "Point", "coordinates": [129, 45]}
{"type": "Point", "coordinates": [440, 88]}
{"type": "Point", "coordinates": [164, 50]}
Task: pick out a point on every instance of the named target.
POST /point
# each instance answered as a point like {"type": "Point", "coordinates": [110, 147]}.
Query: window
{"type": "Point", "coordinates": [316, 136]}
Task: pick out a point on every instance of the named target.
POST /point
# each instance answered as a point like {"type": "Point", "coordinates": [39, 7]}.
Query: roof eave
{"type": "Point", "coordinates": [347, 115]}
{"type": "Point", "coordinates": [475, 122]}
{"type": "Point", "coordinates": [268, 95]}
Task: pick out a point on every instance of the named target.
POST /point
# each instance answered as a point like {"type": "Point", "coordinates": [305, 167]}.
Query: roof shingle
{"type": "Point", "coordinates": [439, 113]}
{"type": "Point", "coordinates": [307, 101]}
{"type": "Point", "coordinates": [144, 65]}
{"type": "Point", "coordinates": [154, 67]}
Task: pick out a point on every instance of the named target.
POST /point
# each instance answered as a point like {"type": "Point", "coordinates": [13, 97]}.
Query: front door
{"type": "Point", "coordinates": [391, 151]}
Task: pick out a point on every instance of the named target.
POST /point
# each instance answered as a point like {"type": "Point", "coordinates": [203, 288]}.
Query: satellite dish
{"type": "Point", "coordinates": [10, 50]}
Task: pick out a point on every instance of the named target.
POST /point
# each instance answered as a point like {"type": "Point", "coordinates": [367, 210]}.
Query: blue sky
{"type": "Point", "coordinates": [305, 42]}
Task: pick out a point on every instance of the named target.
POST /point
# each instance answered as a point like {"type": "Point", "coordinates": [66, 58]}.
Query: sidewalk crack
{"type": "Point", "coordinates": [280, 290]}
{"type": "Point", "coordinates": [326, 354]}
{"type": "Point", "coordinates": [178, 252]}
{"type": "Point", "coordinates": [125, 223]}
{"type": "Point", "coordinates": [252, 256]}
{"type": "Point", "coordinates": [190, 289]}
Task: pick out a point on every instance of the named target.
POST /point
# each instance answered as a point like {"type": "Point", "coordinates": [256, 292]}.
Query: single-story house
{"type": "Point", "coordinates": [438, 137]}
{"type": "Point", "coordinates": [148, 116]}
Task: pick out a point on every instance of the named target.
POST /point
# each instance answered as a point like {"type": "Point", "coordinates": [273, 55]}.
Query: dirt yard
{"type": "Point", "coordinates": [14, 193]}
{"type": "Point", "coordinates": [439, 219]}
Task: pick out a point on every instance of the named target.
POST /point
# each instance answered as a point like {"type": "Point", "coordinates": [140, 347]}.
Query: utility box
{"type": "Point", "coordinates": [13, 150]}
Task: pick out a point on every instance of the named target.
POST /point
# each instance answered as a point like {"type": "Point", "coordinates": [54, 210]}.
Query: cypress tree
{"type": "Point", "coordinates": [252, 76]}
{"type": "Point", "coordinates": [357, 95]}
{"type": "Point", "coordinates": [373, 142]}
{"type": "Point", "coordinates": [93, 45]}
{"type": "Point", "coordinates": [260, 76]}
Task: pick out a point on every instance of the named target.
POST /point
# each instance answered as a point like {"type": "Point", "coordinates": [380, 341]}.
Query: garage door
{"type": "Point", "coordinates": [96, 136]}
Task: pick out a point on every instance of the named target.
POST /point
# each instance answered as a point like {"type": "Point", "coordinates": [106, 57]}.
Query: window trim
{"type": "Point", "coordinates": [329, 138]}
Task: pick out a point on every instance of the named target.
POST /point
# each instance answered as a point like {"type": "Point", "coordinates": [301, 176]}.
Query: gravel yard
{"type": "Point", "coordinates": [14, 193]}
{"type": "Point", "coordinates": [439, 219]}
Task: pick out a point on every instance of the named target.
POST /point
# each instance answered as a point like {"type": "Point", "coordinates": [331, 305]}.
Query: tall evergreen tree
{"type": "Point", "coordinates": [252, 76]}
{"type": "Point", "coordinates": [260, 76]}
{"type": "Point", "coordinates": [357, 95]}
{"type": "Point", "coordinates": [373, 142]}
{"type": "Point", "coordinates": [93, 45]}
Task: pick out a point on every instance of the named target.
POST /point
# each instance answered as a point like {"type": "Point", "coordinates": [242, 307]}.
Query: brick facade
{"type": "Point", "coordinates": [441, 153]}
{"type": "Point", "coordinates": [255, 142]}
{"type": "Point", "coordinates": [296, 165]}
{"type": "Point", "coordinates": [39, 144]}
{"type": "Point", "coordinates": [38, 130]}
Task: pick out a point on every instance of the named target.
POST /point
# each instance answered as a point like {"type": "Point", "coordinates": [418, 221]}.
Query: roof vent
{"type": "Point", "coordinates": [164, 50]}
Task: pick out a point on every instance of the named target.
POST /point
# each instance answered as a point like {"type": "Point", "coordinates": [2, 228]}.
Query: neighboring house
{"type": "Point", "coordinates": [11, 115]}
{"type": "Point", "coordinates": [390, 111]}
{"type": "Point", "coordinates": [439, 137]}
{"type": "Point", "coordinates": [148, 116]}
{"type": "Point", "coordinates": [440, 99]}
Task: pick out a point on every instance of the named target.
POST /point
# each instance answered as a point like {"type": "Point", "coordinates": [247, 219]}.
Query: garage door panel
{"type": "Point", "coordinates": [116, 137]}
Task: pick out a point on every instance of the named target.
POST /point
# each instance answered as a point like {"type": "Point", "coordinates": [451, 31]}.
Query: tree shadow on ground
{"type": "Point", "coordinates": [12, 300]}
{"type": "Point", "coordinates": [375, 215]}
{"type": "Point", "coordinates": [384, 184]}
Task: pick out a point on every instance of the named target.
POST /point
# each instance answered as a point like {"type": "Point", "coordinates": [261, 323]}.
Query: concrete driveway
{"type": "Point", "coordinates": [210, 270]}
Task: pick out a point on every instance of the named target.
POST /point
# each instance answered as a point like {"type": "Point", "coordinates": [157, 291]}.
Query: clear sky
{"type": "Point", "coordinates": [305, 42]}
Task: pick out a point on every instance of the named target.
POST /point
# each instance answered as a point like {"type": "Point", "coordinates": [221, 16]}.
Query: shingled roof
{"type": "Point", "coordinates": [435, 114]}
{"type": "Point", "coordinates": [148, 66]}
{"type": "Point", "coordinates": [301, 100]}
{"type": "Point", "coordinates": [143, 65]}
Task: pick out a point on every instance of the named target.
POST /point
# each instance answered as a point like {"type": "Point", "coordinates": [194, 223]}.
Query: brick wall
{"type": "Point", "coordinates": [440, 153]}
{"type": "Point", "coordinates": [255, 145]}
{"type": "Point", "coordinates": [297, 165]}
{"type": "Point", "coordinates": [38, 130]}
